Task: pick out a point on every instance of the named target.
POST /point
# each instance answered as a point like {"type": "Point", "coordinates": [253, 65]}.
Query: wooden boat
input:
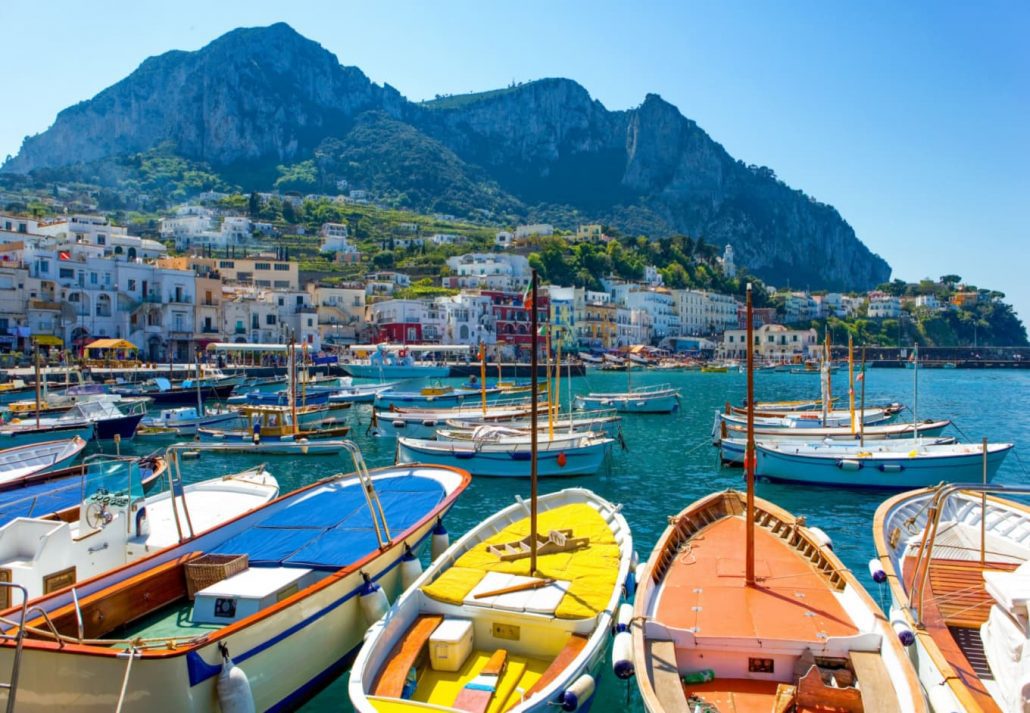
{"type": "Point", "coordinates": [810, 419]}
{"type": "Point", "coordinates": [603, 421]}
{"type": "Point", "coordinates": [660, 398]}
{"type": "Point", "coordinates": [291, 619]}
{"type": "Point", "coordinates": [899, 464]}
{"type": "Point", "coordinates": [21, 463]}
{"type": "Point", "coordinates": [422, 423]}
{"type": "Point", "coordinates": [437, 397]}
{"type": "Point", "coordinates": [14, 390]}
{"type": "Point", "coordinates": [270, 424]}
{"type": "Point", "coordinates": [721, 429]}
{"type": "Point", "coordinates": [714, 369]}
{"type": "Point", "coordinates": [955, 559]}
{"type": "Point", "coordinates": [582, 455]}
{"type": "Point", "coordinates": [784, 627]}
{"type": "Point", "coordinates": [116, 524]}
{"type": "Point", "coordinates": [732, 449]}
{"type": "Point", "coordinates": [589, 359]}
{"type": "Point", "coordinates": [529, 637]}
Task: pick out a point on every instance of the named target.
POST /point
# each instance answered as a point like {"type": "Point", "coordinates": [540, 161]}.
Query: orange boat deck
{"type": "Point", "coordinates": [739, 695]}
{"type": "Point", "coordinates": [704, 590]}
{"type": "Point", "coordinates": [957, 600]}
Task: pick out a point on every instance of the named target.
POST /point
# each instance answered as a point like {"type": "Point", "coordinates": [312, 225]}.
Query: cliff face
{"type": "Point", "coordinates": [265, 96]}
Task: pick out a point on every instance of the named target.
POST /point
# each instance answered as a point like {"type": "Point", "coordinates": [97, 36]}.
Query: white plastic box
{"type": "Point", "coordinates": [450, 644]}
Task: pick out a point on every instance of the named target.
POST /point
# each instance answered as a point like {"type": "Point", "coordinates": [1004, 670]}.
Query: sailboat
{"type": "Point", "coordinates": [956, 560]}
{"type": "Point", "coordinates": [657, 398]}
{"type": "Point", "coordinates": [516, 616]}
{"type": "Point", "coordinates": [784, 627]}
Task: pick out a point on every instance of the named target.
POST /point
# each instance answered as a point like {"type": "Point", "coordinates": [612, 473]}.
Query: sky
{"type": "Point", "coordinates": [912, 119]}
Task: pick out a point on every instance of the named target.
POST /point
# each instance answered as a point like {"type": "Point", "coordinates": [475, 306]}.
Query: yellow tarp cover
{"type": "Point", "coordinates": [592, 571]}
{"type": "Point", "coordinates": [111, 344]}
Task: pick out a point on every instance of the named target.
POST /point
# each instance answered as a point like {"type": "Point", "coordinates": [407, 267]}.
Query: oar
{"type": "Point", "coordinates": [523, 587]}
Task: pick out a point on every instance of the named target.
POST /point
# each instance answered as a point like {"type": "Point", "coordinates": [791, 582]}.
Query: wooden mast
{"type": "Point", "coordinates": [200, 400]}
{"type": "Point", "coordinates": [749, 456]}
{"type": "Point", "coordinates": [861, 423]}
{"type": "Point", "coordinates": [36, 363]}
{"type": "Point", "coordinates": [851, 384]}
{"type": "Point", "coordinates": [292, 365]}
{"type": "Point", "coordinates": [532, 428]}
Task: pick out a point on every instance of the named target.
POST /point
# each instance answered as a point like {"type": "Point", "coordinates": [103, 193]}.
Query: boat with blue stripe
{"type": "Point", "coordinates": [304, 577]}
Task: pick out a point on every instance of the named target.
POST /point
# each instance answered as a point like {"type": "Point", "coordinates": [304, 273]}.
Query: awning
{"type": "Point", "coordinates": [47, 340]}
{"type": "Point", "coordinates": [111, 344]}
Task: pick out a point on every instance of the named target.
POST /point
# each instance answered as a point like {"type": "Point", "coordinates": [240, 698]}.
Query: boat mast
{"type": "Point", "coordinates": [824, 379]}
{"type": "Point", "coordinates": [36, 362]}
{"type": "Point", "coordinates": [915, 390]}
{"type": "Point", "coordinates": [482, 374]}
{"type": "Point", "coordinates": [532, 428]}
{"type": "Point", "coordinates": [749, 456]}
{"type": "Point", "coordinates": [851, 384]}
{"type": "Point", "coordinates": [550, 392]}
{"type": "Point", "coordinates": [861, 423]}
{"type": "Point", "coordinates": [557, 382]}
{"type": "Point", "coordinates": [292, 366]}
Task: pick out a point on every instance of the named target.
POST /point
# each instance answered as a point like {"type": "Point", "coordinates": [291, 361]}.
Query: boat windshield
{"type": "Point", "coordinates": [112, 478]}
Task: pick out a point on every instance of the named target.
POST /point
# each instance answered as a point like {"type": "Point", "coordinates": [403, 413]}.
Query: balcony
{"type": "Point", "coordinates": [152, 298]}
{"type": "Point", "coordinates": [45, 305]}
{"type": "Point", "coordinates": [180, 299]}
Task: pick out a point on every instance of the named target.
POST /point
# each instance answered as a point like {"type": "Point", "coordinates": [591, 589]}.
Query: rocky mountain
{"type": "Point", "coordinates": [261, 97]}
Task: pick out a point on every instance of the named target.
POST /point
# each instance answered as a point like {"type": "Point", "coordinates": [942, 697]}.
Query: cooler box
{"type": "Point", "coordinates": [450, 644]}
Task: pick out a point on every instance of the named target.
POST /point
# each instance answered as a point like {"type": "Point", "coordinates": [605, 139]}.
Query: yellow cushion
{"type": "Point", "coordinates": [592, 571]}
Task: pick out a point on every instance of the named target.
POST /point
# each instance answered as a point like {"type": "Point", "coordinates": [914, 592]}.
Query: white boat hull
{"type": "Point", "coordinates": [373, 371]}
{"type": "Point", "coordinates": [562, 460]}
{"type": "Point", "coordinates": [630, 403]}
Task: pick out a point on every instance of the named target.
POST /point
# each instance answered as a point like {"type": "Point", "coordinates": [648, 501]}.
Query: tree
{"type": "Point", "coordinates": [951, 280]}
{"type": "Point", "coordinates": [383, 259]}
{"type": "Point", "coordinates": [253, 205]}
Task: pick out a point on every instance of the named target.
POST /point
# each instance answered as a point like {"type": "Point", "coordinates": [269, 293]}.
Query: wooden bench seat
{"type": "Point", "coordinates": [874, 682]}
{"type": "Point", "coordinates": [404, 655]}
{"type": "Point", "coordinates": [665, 676]}
{"type": "Point", "coordinates": [566, 656]}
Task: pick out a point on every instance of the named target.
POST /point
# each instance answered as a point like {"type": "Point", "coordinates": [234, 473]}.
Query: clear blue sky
{"type": "Point", "coordinates": [913, 119]}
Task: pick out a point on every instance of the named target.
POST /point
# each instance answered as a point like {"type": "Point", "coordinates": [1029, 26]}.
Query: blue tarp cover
{"type": "Point", "coordinates": [331, 527]}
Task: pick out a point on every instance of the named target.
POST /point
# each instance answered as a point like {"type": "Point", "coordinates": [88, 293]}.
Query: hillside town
{"type": "Point", "coordinates": [66, 282]}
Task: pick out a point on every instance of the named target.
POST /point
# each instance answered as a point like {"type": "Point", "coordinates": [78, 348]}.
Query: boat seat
{"type": "Point", "coordinates": [543, 600]}
{"type": "Point", "coordinates": [561, 662]}
{"type": "Point", "coordinates": [874, 682]}
{"type": "Point", "coordinates": [664, 673]}
{"type": "Point", "coordinates": [404, 656]}
{"type": "Point", "coordinates": [23, 539]}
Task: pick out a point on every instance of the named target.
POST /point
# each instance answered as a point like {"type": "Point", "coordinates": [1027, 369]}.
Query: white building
{"type": "Point", "coordinates": [448, 239]}
{"type": "Point", "coordinates": [469, 319]}
{"type": "Point", "coordinates": [488, 271]}
{"type": "Point", "coordinates": [504, 239]}
{"type": "Point", "coordinates": [929, 302]}
{"type": "Point", "coordinates": [729, 267]}
{"type": "Point", "coordinates": [800, 307]}
{"type": "Point", "coordinates": [335, 239]}
{"type": "Point", "coordinates": [884, 306]}
{"type": "Point", "coordinates": [660, 306]}
{"type": "Point", "coordinates": [773, 342]}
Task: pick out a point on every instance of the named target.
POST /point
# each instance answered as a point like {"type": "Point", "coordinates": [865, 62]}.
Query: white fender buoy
{"type": "Point", "coordinates": [578, 693]}
{"type": "Point", "coordinates": [640, 573]}
{"type": "Point", "coordinates": [622, 655]}
{"type": "Point", "coordinates": [233, 688]}
{"type": "Point", "coordinates": [876, 571]}
{"type": "Point", "coordinates": [411, 568]}
{"type": "Point", "coordinates": [901, 628]}
{"type": "Point", "coordinates": [373, 601]}
{"type": "Point", "coordinates": [441, 540]}
{"type": "Point", "coordinates": [623, 617]}
{"type": "Point", "coordinates": [821, 538]}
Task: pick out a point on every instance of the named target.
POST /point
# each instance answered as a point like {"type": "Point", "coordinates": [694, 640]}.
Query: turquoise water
{"type": "Point", "coordinates": [670, 463]}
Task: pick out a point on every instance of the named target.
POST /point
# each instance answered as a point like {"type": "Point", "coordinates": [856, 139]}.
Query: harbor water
{"type": "Point", "coordinates": [668, 462]}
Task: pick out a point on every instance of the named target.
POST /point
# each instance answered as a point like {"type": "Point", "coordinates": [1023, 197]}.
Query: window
{"type": "Point", "coordinates": [66, 273]}
{"type": "Point", "coordinates": [262, 266]}
{"type": "Point", "coordinates": [282, 266]}
{"type": "Point", "coordinates": [262, 283]}
{"type": "Point", "coordinates": [101, 239]}
{"type": "Point", "coordinates": [226, 263]}
{"type": "Point", "coordinates": [300, 300]}
{"type": "Point", "coordinates": [309, 322]}
{"type": "Point", "coordinates": [132, 286]}
{"type": "Point", "coordinates": [282, 284]}
{"type": "Point", "coordinates": [44, 266]}
{"type": "Point", "coordinates": [270, 319]}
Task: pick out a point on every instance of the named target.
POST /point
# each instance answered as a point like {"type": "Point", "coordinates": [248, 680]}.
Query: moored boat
{"type": "Point", "coordinates": [21, 463]}
{"type": "Point", "coordinates": [898, 464]}
{"type": "Point", "coordinates": [660, 398]}
{"type": "Point", "coordinates": [955, 560]}
{"type": "Point", "coordinates": [721, 429]}
{"type": "Point", "coordinates": [285, 590]}
{"type": "Point", "coordinates": [184, 420]}
{"type": "Point", "coordinates": [422, 423]}
{"type": "Point", "coordinates": [559, 611]}
{"type": "Point", "coordinates": [20, 433]}
{"type": "Point", "coordinates": [732, 449]}
{"type": "Point", "coordinates": [582, 455]}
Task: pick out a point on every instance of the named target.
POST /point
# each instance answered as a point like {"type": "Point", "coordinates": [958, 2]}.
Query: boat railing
{"type": "Point", "coordinates": [375, 507]}
{"type": "Point", "coordinates": [17, 638]}
{"type": "Point", "coordinates": [924, 555]}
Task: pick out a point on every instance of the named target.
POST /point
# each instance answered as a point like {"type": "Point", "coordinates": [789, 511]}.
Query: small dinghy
{"type": "Point", "coordinates": [582, 454]}
{"type": "Point", "coordinates": [19, 464]}
{"type": "Point", "coordinates": [490, 627]}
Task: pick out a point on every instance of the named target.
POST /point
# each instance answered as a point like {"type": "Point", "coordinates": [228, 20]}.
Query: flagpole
{"type": "Point", "coordinates": [532, 429]}
{"type": "Point", "coordinates": [861, 423]}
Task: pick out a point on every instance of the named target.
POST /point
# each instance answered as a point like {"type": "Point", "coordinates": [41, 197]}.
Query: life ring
{"type": "Point", "coordinates": [402, 353]}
